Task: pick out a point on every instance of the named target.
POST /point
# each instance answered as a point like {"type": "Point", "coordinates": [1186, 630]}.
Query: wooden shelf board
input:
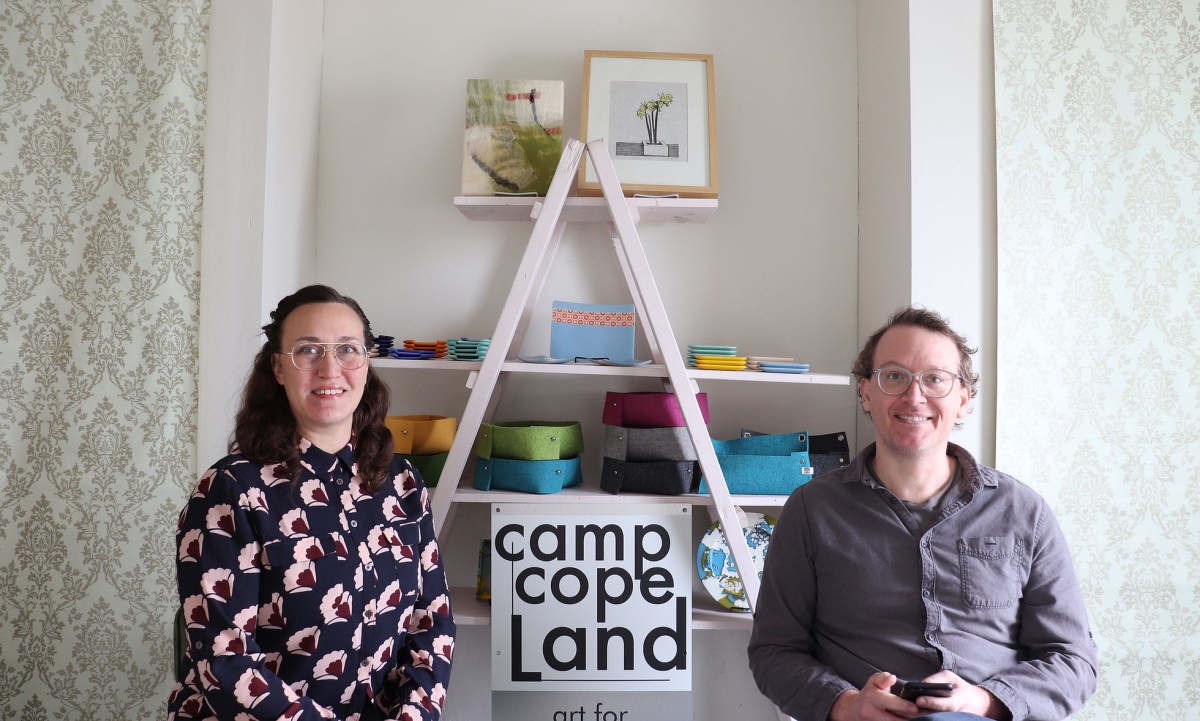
{"type": "Point", "coordinates": [647, 371]}
{"type": "Point", "coordinates": [588, 210]}
{"type": "Point", "coordinates": [582, 494]}
{"type": "Point", "coordinates": [431, 364]}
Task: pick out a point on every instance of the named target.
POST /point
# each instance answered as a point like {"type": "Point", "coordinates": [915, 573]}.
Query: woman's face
{"type": "Point", "coordinates": [323, 400]}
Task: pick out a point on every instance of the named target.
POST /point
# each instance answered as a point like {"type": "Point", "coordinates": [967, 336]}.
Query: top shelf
{"type": "Point", "coordinates": [588, 210]}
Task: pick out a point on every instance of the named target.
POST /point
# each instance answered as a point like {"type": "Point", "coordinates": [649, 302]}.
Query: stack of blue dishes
{"type": "Point", "coordinates": [383, 346]}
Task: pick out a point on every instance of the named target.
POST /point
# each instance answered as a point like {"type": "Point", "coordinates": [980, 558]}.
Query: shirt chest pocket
{"type": "Point", "coordinates": [305, 562]}
{"type": "Point", "coordinates": [395, 551]}
{"type": "Point", "coordinates": [990, 569]}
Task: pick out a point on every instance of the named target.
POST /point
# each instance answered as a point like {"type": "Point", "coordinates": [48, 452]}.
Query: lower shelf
{"type": "Point", "coordinates": [707, 615]}
{"type": "Point", "coordinates": [584, 494]}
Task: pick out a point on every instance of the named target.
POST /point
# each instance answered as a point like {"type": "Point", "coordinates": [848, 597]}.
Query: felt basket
{"type": "Point", "coordinates": [773, 464]}
{"type": "Point", "coordinates": [667, 478]}
{"type": "Point", "coordinates": [649, 409]}
{"type": "Point", "coordinates": [422, 434]}
{"type": "Point", "coordinates": [530, 440]}
{"type": "Point", "coordinates": [671, 443]}
{"type": "Point", "coordinates": [508, 474]}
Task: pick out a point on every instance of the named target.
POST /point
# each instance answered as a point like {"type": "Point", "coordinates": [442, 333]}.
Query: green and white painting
{"type": "Point", "coordinates": [513, 137]}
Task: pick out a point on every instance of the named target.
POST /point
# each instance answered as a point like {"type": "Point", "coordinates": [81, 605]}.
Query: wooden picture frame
{"type": "Point", "coordinates": [657, 115]}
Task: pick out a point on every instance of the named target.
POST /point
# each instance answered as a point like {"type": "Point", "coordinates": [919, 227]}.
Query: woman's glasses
{"type": "Point", "coordinates": [308, 356]}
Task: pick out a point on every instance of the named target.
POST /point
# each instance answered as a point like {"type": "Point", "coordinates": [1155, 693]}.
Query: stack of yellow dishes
{"type": "Point", "coordinates": [720, 363]}
{"type": "Point", "coordinates": [753, 361]}
{"type": "Point", "coordinates": [715, 358]}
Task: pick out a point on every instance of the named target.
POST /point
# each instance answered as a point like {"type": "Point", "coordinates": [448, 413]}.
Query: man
{"type": "Point", "coordinates": [915, 563]}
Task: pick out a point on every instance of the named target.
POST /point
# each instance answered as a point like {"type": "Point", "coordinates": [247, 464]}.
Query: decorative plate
{"type": "Point", "coordinates": [715, 566]}
{"type": "Point", "coordinates": [624, 362]}
{"type": "Point", "coordinates": [541, 359]}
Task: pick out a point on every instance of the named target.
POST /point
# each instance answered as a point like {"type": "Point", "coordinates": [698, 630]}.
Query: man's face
{"type": "Point", "coordinates": [912, 424]}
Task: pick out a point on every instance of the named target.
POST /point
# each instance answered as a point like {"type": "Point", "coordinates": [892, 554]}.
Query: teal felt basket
{"type": "Point", "coordinates": [767, 465]}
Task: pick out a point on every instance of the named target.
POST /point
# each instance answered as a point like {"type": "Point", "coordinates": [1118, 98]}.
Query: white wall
{"type": "Point", "coordinates": [258, 239]}
{"type": "Point", "coordinates": [927, 179]}
{"type": "Point", "coordinates": [954, 186]}
{"type": "Point", "coordinates": [231, 257]}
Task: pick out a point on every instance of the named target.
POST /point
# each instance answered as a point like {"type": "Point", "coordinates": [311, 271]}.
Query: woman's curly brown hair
{"type": "Point", "coordinates": [265, 428]}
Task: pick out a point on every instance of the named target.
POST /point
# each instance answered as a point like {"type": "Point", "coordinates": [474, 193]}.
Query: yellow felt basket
{"type": "Point", "coordinates": [422, 434]}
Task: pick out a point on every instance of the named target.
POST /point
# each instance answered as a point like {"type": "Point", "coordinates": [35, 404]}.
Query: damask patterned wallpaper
{"type": "Point", "coordinates": [1098, 176]}
{"type": "Point", "coordinates": [101, 122]}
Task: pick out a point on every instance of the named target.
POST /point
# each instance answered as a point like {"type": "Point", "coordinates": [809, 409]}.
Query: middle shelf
{"type": "Point", "coordinates": [583, 494]}
{"type": "Point", "coordinates": [653, 370]}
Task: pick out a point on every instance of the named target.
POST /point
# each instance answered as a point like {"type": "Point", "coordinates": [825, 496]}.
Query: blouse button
{"type": "Point", "coordinates": [198, 646]}
{"type": "Point", "coordinates": [354, 524]}
{"type": "Point", "coordinates": [341, 481]}
{"type": "Point", "coordinates": [369, 567]}
{"type": "Point", "coordinates": [365, 663]}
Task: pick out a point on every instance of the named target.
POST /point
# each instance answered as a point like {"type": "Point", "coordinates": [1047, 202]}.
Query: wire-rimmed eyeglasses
{"type": "Point", "coordinates": [309, 356]}
{"type": "Point", "coordinates": [895, 381]}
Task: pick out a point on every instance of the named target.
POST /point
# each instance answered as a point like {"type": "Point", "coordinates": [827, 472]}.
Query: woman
{"type": "Point", "coordinates": [310, 578]}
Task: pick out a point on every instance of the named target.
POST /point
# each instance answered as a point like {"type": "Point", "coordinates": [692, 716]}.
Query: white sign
{"type": "Point", "coordinates": [591, 598]}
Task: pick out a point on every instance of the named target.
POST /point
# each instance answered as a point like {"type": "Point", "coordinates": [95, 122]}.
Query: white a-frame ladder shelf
{"type": "Point", "coordinates": [514, 320]}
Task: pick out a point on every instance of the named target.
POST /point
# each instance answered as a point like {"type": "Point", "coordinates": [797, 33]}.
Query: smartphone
{"type": "Point", "coordinates": [910, 690]}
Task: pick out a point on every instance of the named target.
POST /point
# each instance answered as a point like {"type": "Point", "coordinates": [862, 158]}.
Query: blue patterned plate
{"type": "Point", "coordinates": [714, 563]}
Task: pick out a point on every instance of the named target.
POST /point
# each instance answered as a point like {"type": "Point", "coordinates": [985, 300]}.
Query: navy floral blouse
{"type": "Point", "coordinates": [311, 599]}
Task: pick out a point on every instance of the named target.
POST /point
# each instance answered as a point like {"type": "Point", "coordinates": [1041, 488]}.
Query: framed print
{"type": "Point", "coordinates": [657, 115]}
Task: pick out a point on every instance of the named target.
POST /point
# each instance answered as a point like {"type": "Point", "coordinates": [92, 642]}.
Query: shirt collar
{"type": "Point", "coordinates": [317, 458]}
{"type": "Point", "coordinates": [973, 475]}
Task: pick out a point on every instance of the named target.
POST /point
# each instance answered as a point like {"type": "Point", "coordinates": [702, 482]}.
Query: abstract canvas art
{"type": "Point", "coordinates": [513, 137]}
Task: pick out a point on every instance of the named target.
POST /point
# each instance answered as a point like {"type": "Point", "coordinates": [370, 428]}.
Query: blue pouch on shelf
{"type": "Point", "coordinates": [772, 465]}
{"type": "Point", "coordinates": [590, 330]}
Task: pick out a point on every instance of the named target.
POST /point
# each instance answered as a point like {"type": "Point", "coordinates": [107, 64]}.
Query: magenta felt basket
{"type": "Point", "coordinates": [647, 410]}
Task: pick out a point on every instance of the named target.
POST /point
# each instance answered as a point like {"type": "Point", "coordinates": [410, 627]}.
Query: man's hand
{"type": "Point", "coordinates": [968, 698]}
{"type": "Point", "coordinates": [874, 702]}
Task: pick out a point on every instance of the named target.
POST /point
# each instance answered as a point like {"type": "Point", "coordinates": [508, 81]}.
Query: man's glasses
{"type": "Point", "coordinates": [894, 381]}
{"type": "Point", "coordinates": [308, 356]}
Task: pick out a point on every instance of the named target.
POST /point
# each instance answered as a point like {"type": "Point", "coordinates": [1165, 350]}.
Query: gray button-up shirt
{"type": "Point", "coordinates": [852, 586]}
